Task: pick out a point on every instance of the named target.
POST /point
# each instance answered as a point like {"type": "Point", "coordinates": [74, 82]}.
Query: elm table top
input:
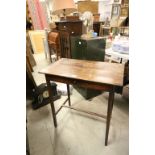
{"type": "Point", "coordinates": [93, 71]}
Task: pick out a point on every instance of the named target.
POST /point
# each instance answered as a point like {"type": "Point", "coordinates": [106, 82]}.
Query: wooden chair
{"type": "Point", "coordinates": [53, 42]}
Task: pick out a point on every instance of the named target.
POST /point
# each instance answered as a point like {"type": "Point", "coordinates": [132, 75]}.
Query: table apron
{"type": "Point", "coordinates": [81, 83]}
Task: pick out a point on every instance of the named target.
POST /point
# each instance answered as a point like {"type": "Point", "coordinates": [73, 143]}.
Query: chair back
{"type": "Point", "coordinates": [65, 43]}
{"type": "Point", "coordinates": [53, 37]}
{"type": "Point", "coordinates": [53, 42]}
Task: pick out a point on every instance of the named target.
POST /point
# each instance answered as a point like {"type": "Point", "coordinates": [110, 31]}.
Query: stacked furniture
{"type": "Point", "coordinates": [72, 45]}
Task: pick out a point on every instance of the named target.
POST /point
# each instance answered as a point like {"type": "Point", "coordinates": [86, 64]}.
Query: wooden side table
{"type": "Point", "coordinates": [90, 74]}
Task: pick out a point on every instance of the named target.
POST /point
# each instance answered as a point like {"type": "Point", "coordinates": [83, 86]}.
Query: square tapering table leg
{"type": "Point", "coordinates": [109, 112]}
{"type": "Point", "coordinates": [52, 102]}
{"type": "Point", "coordinates": [68, 93]}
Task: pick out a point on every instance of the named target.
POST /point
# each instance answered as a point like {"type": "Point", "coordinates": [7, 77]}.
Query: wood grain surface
{"type": "Point", "coordinates": [91, 71]}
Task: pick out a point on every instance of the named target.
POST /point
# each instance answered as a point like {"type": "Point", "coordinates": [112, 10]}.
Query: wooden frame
{"type": "Point", "coordinates": [115, 10]}
{"type": "Point", "coordinates": [36, 38]}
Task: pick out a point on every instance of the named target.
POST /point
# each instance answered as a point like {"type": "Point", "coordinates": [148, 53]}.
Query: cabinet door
{"type": "Point", "coordinates": [88, 49]}
{"type": "Point", "coordinates": [78, 48]}
{"type": "Point", "coordinates": [95, 50]}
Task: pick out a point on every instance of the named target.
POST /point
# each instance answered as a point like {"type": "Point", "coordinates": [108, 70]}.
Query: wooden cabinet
{"type": "Point", "coordinates": [88, 48]}
{"type": "Point", "coordinates": [74, 27]}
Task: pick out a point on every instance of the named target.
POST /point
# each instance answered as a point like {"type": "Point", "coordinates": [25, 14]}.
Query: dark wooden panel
{"type": "Point", "coordinates": [75, 27]}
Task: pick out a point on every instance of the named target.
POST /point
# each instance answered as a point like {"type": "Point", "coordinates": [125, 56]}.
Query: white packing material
{"type": "Point", "coordinates": [121, 46]}
{"type": "Point", "coordinates": [62, 88]}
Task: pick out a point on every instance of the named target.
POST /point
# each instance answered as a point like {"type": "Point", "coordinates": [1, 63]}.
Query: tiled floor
{"type": "Point", "coordinates": [77, 133]}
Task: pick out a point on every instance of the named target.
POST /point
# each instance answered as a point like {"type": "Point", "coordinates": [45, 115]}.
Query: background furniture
{"type": "Point", "coordinates": [65, 46]}
{"type": "Point", "coordinates": [124, 10]}
{"type": "Point", "coordinates": [65, 30]}
{"type": "Point", "coordinates": [104, 30]}
{"type": "Point", "coordinates": [30, 61]}
{"type": "Point", "coordinates": [88, 49]}
{"type": "Point", "coordinates": [116, 56]}
{"type": "Point", "coordinates": [53, 42]}
{"type": "Point", "coordinates": [118, 25]}
{"type": "Point", "coordinates": [96, 26]}
{"type": "Point", "coordinates": [73, 46]}
{"type": "Point", "coordinates": [74, 27]}
{"type": "Point", "coordinates": [36, 38]}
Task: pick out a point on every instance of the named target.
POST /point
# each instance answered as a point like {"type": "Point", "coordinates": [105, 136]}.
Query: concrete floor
{"type": "Point", "coordinates": [77, 133]}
